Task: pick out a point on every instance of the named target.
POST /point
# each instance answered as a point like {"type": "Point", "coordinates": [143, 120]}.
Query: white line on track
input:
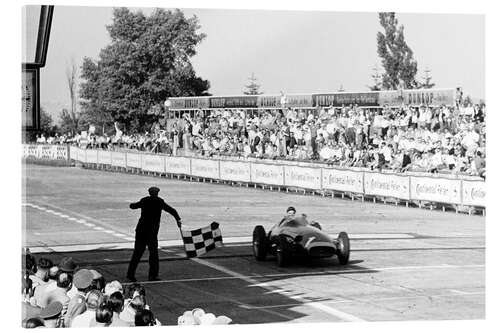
{"type": "Point", "coordinates": [334, 312]}
{"type": "Point", "coordinates": [76, 220]}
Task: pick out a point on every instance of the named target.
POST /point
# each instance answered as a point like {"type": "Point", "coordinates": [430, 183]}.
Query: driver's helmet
{"type": "Point", "coordinates": [290, 210]}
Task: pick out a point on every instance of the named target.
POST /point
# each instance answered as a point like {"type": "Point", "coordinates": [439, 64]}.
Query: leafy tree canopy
{"type": "Point", "coordinates": [397, 57]}
{"type": "Point", "coordinates": [147, 61]}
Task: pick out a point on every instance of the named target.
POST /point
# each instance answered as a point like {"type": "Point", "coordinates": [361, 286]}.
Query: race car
{"type": "Point", "coordinates": [296, 237]}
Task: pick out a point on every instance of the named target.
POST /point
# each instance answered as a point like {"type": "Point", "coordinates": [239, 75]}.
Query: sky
{"type": "Point", "coordinates": [290, 51]}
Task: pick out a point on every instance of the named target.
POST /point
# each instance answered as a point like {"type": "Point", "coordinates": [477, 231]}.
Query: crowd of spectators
{"type": "Point", "coordinates": [65, 295]}
{"type": "Point", "coordinates": [440, 139]}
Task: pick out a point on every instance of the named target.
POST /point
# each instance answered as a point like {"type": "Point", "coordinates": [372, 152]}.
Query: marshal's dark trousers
{"type": "Point", "coordinates": [141, 241]}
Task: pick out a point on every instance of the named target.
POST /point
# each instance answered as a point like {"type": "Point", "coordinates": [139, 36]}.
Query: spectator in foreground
{"type": "Point", "coordinates": [33, 323]}
{"type": "Point", "coordinates": [92, 302]}
{"type": "Point", "coordinates": [144, 318]}
{"type": "Point", "coordinates": [116, 304]}
{"type": "Point", "coordinates": [83, 283]}
{"type": "Point", "coordinates": [103, 316]}
{"type": "Point", "coordinates": [51, 315]}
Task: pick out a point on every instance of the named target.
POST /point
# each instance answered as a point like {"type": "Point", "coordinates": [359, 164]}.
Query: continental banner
{"type": "Point", "coordinates": [155, 163]}
{"type": "Point", "coordinates": [343, 180]}
{"type": "Point", "coordinates": [91, 156]}
{"type": "Point", "coordinates": [205, 168]}
{"type": "Point", "coordinates": [46, 152]}
{"type": "Point", "coordinates": [82, 155]}
{"type": "Point", "coordinates": [435, 189]}
{"type": "Point", "coordinates": [303, 177]}
{"type": "Point", "coordinates": [267, 174]}
{"type": "Point", "coordinates": [60, 152]}
{"type": "Point", "coordinates": [118, 159]}
{"type": "Point", "coordinates": [387, 185]}
{"type": "Point", "coordinates": [104, 157]}
{"type": "Point", "coordinates": [134, 160]}
{"type": "Point", "coordinates": [178, 165]}
{"type": "Point", "coordinates": [73, 152]}
{"type": "Point", "coordinates": [474, 193]}
{"type": "Point", "coordinates": [235, 171]}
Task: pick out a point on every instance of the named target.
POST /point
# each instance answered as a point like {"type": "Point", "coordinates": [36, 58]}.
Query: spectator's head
{"type": "Point", "coordinates": [33, 323]}
{"type": "Point", "coordinates": [136, 289]}
{"type": "Point", "coordinates": [82, 280]}
{"type": "Point", "coordinates": [144, 318]}
{"type": "Point", "coordinates": [94, 299]}
{"type": "Point", "coordinates": [98, 281]}
{"type": "Point", "coordinates": [64, 280]}
{"type": "Point", "coordinates": [67, 265]}
{"type": "Point", "coordinates": [51, 313]}
{"type": "Point", "coordinates": [113, 287]}
{"type": "Point", "coordinates": [53, 272]}
{"type": "Point", "coordinates": [43, 267]}
{"type": "Point", "coordinates": [116, 302]}
{"type": "Point", "coordinates": [104, 314]}
{"type": "Point", "coordinates": [138, 303]}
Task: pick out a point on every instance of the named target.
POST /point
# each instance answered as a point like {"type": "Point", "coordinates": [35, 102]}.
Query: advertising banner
{"type": "Point", "coordinates": [299, 101]}
{"type": "Point", "coordinates": [341, 98]}
{"type": "Point", "coordinates": [118, 159]}
{"type": "Point", "coordinates": [182, 103]}
{"type": "Point", "coordinates": [235, 171]}
{"type": "Point", "coordinates": [233, 102]}
{"type": "Point", "coordinates": [82, 155]}
{"type": "Point", "coordinates": [60, 152]}
{"type": "Point", "coordinates": [267, 174]}
{"type": "Point", "coordinates": [104, 157]}
{"type": "Point", "coordinates": [417, 97]}
{"type": "Point", "coordinates": [178, 165]}
{"type": "Point", "coordinates": [33, 151]}
{"type": "Point", "coordinates": [387, 185]}
{"type": "Point", "coordinates": [91, 155]}
{"type": "Point", "coordinates": [134, 160]}
{"type": "Point", "coordinates": [269, 101]}
{"type": "Point", "coordinates": [205, 168]}
{"type": "Point", "coordinates": [474, 193]}
{"type": "Point", "coordinates": [343, 180]}
{"type": "Point", "coordinates": [435, 189]}
{"type": "Point", "coordinates": [303, 177]}
{"type": "Point", "coordinates": [73, 152]}
{"type": "Point", "coordinates": [154, 163]}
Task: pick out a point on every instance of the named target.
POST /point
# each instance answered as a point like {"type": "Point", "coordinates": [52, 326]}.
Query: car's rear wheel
{"type": "Point", "coordinates": [344, 248]}
{"type": "Point", "coordinates": [282, 252]}
{"type": "Point", "coordinates": [259, 243]}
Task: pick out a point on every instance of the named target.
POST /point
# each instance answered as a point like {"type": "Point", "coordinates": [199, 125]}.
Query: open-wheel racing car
{"type": "Point", "coordinates": [295, 237]}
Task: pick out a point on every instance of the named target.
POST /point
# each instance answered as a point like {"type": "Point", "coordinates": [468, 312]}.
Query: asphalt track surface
{"type": "Point", "coordinates": [406, 263]}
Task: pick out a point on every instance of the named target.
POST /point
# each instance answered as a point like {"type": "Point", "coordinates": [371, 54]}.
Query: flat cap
{"type": "Point", "coordinates": [82, 279]}
{"type": "Point", "coordinates": [52, 310]}
{"type": "Point", "coordinates": [153, 189]}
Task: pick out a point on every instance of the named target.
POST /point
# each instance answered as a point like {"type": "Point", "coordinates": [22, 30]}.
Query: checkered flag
{"type": "Point", "coordinates": [200, 241]}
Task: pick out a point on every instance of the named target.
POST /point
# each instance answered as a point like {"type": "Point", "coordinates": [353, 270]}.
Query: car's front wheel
{"type": "Point", "coordinates": [259, 243]}
{"type": "Point", "coordinates": [344, 249]}
{"type": "Point", "coordinates": [282, 252]}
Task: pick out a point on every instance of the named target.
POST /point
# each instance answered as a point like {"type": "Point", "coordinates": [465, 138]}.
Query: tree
{"type": "Point", "coordinates": [376, 77]}
{"type": "Point", "coordinates": [397, 57]}
{"type": "Point", "coordinates": [252, 88]}
{"type": "Point", "coordinates": [341, 88]}
{"type": "Point", "coordinates": [70, 119]}
{"type": "Point", "coordinates": [147, 61]}
{"type": "Point", "coordinates": [46, 123]}
{"type": "Point", "coordinates": [68, 122]}
{"type": "Point", "coordinates": [426, 83]}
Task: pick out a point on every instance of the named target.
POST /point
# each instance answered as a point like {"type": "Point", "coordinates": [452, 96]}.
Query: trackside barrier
{"type": "Point", "coordinates": [429, 188]}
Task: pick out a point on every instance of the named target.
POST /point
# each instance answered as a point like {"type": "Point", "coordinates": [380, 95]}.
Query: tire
{"type": "Point", "coordinates": [344, 248]}
{"type": "Point", "coordinates": [282, 252]}
{"type": "Point", "coordinates": [259, 243]}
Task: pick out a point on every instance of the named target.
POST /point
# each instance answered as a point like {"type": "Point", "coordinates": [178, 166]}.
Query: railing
{"type": "Point", "coordinates": [409, 187]}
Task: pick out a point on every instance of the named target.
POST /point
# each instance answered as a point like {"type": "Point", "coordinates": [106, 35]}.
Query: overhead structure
{"type": "Point", "coordinates": [37, 21]}
{"type": "Point", "coordinates": [370, 99]}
